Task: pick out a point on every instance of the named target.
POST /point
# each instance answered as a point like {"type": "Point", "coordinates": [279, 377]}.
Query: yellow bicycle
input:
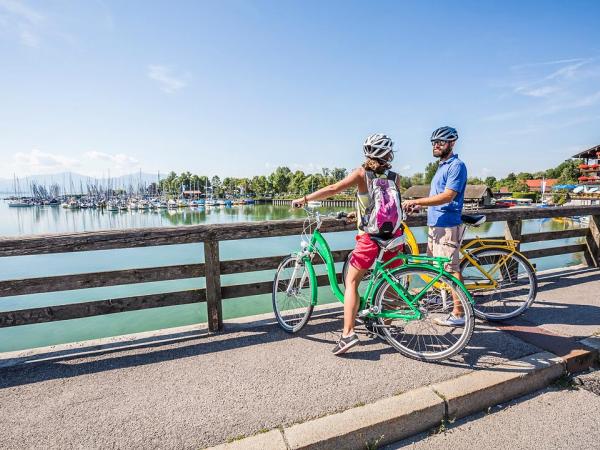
{"type": "Point", "coordinates": [501, 280]}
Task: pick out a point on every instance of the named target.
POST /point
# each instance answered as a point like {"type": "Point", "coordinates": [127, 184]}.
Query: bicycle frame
{"type": "Point", "coordinates": [478, 244]}
{"type": "Point", "coordinates": [381, 273]}
{"type": "Point", "coordinates": [467, 254]}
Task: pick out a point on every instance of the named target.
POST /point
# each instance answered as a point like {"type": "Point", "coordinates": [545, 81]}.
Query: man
{"type": "Point", "coordinates": [445, 204]}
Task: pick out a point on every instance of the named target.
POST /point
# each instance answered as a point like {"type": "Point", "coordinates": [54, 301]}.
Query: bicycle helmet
{"type": "Point", "coordinates": [444, 134]}
{"type": "Point", "coordinates": [377, 146]}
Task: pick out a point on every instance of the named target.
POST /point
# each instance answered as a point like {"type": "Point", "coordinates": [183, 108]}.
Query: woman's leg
{"type": "Point", "coordinates": [351, 301]}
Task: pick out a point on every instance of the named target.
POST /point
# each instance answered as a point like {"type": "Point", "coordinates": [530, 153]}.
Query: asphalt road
{"type": "Point", "coordinates": [204, 391]}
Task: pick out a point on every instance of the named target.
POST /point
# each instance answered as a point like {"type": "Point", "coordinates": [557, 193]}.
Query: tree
{"type": "Point", "coordinates": [230, 185]}
{"type": "Point", "coordinates": [310, 184]}
{"type": "Point", "coordinates": [215, 183]}
{"type": "Point", "coordinates": [405, 182]}
{"type": "Point", "coordinates": [203, 183]}
{"type": "Point", "coordinates": [259, 185]}
{"type": "Point", "coordinates": [569, 172]}
{"type": "Point", "coordinates": [490, 182]}
{"type": "Point", "coordinates": [417, 178]}
{"type": "Point", "coordinates": [243, 185]}
{"type": "Point", "coordinates": [338, 174]}
{"type": "Point", "coordinates": [520, 186]}
{"type": "Point", "coordinates": [568, 175]}
{"type": "Point", "coordinates": [183, 181]}
{"type": "Point", "coordinates": [475, 180]}
{"type": "Point", "coordinates": [296, 185]}
{"type": "Point", "coordinates": [524, 176]}
{"type": "Point", "coordinates": [280, 179]}
{"type": "Point", "coordinates": [430, 171]}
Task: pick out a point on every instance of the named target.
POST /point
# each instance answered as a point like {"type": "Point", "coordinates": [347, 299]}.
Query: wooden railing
{"type": "Point", "coordinates": [213, 267]}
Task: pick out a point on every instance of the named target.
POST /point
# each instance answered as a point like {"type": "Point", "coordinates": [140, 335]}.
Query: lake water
{"type": "Point", "coordinates": [39, 220]}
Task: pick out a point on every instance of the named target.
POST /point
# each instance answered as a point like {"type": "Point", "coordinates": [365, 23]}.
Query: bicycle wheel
{"type": "Point", "coordinates": [292, 294]}
{"type": "Point", "coordinates": [516, 281]}
{"type": "Point", "coordinates": [424, 339]}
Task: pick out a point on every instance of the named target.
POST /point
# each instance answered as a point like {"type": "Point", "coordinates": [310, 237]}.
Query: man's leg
{"type": "Point", "coordinates": [445, 242]}
{"type": "Point", "coordinates": [453, 238]}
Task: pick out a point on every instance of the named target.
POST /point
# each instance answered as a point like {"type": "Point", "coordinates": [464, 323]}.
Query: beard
{"type": "Point", "coordinates": [442, 153]}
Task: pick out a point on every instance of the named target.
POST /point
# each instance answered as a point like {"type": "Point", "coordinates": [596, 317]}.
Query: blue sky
{"type": "Point", "coordinates": [236, 88]}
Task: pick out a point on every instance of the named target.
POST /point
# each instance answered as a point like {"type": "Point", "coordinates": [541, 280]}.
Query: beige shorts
{"type": "Point", "coordinates": [445, 242]}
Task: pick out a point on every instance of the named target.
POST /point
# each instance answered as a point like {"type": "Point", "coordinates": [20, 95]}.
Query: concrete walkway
{"type": "Point", "coordinates": [208, 389]}
{"type": "Point", "coordinates": [558, 418]}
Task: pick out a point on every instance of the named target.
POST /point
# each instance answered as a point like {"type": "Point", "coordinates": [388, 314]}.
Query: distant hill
{"type": "Point", "coordinates": [64, 179]}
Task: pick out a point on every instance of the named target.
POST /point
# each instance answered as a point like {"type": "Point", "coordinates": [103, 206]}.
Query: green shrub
{"type": "Point", "coordinates": [534, 196]}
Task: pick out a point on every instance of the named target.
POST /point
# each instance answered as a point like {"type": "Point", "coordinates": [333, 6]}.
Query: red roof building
{"type": "Point", "coordinates": [536, 185]}
{"type": "Point", "coordinates": [590, 170]}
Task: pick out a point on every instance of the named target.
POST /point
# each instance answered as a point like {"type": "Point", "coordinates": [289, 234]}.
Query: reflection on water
{"type": "Point", "coordinates": [39, 220]}
{"type": "Point", "coordinates": [47, 219]}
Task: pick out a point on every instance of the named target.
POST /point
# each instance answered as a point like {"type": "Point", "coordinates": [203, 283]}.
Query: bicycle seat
{"type": "Point", "coordinates": [473, 221]}
{"type": "Point", "coordinates": [389, 244]}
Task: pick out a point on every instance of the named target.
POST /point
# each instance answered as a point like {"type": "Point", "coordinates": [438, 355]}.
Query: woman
{"type": "Point", "coordinates": [379, 213]}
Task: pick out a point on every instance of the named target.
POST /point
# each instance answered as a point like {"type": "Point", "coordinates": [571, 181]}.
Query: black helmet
{"type": "Point", "coordinates": [444, 134]}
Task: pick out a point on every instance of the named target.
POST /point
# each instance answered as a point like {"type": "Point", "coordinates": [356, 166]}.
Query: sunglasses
{"type": "Point", "coordinates": [438, 143]}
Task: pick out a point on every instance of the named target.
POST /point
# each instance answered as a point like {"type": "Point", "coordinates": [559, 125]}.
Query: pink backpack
{"type": "Point", "coordinates": [383, 215]}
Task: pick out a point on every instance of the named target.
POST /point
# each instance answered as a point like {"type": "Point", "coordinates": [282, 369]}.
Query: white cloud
{"type": "Point", "coordinates": [93, 163]}
{"type": "Point", "coordinates": [38, 162]}
{"type": "Point", "coordinates": [550, 89]}
{"type": "Point", "coordinates": [119, 161]}
{"type": "Point", "coordinates": [20, 10]}
{"type": "Point", "coordinates": [23, 21]}
{"type": "Point", "coordinates": [545, 63]}
{"type": "Point", "coordinates": [168, 81]}
{"type": "Point", "coordinates": [543, 91]}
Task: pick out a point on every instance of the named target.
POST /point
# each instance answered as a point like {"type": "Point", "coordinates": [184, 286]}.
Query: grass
{"type": "Point", "coordinates": [236, 438]}
{"type": "Point", "coordinates": [565, 381]}
{"type": "Point", "coordinates": [374, 445]}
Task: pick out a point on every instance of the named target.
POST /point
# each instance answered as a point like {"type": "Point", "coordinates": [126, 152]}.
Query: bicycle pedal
{"type": "Point", "coordinates": [364, 313]}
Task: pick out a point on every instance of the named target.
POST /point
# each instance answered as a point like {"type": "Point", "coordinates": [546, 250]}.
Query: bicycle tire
{"type": "Point", "coordinates": [300, 298]}
{"type": "Point", "coordinates": [501, 303]}
{"type": "Point", "coordinates": [430, 346]}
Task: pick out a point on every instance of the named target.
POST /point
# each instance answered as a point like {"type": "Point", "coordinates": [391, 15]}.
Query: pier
{"type": "Point", "coordinates": [225, 380]}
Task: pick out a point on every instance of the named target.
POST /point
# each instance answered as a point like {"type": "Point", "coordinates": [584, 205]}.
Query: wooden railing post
{"type": "Point", "coordinates": [212, 266]}
{"type": "Point", "coordinates": [513, 230]}
{"type": "Point", "coordinates": [592, 253]}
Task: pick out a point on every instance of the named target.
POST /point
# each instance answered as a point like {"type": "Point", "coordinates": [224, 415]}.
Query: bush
{"type": "Point", "coordinates": [534, 196]}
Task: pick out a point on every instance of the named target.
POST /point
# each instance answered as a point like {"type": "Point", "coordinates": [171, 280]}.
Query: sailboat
{"type": "Point", "coordinates": [19, 202]}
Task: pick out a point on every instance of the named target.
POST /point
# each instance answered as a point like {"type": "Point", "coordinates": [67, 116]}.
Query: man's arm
{"type": "Point", "coordinates": [457, 177]}
{"type": "Point", "coordinates": [440, 199]}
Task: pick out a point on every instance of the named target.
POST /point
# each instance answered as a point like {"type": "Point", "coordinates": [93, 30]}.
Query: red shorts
{"type": "Point", "coordinates": [366, 252]}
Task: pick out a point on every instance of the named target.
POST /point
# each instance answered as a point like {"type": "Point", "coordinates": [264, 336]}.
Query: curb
{"type": "Point", "coordinates": [392, 419]}
{"type": "Point", "coordinates": [124, 342]}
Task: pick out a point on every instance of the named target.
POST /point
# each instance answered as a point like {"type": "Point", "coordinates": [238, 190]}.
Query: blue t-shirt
{"type": "Point", "coordinates": [451, 174]}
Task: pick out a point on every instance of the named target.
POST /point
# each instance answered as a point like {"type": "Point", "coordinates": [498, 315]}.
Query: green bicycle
{"type": "Point", "coordinates": [400, 305]}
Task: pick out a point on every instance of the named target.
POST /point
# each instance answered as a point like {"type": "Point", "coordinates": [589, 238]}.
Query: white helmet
{"type": "Point", "coordinates": [377, 146]}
